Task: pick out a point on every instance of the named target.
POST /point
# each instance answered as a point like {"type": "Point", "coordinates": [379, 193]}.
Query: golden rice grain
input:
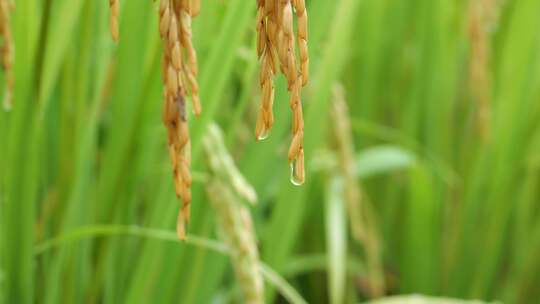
{"type": "Point", "coordinates": [195, 8]}
{"type": "Point", "coordinates": [301, 13]}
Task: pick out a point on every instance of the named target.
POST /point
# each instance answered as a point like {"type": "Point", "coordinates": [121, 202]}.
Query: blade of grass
{"type": "Point", "coordinates": [336, 240]}
{"type": "Point", "coordinates": [162, 235]}
{"type": "Point", "coordinates": [18, 208]}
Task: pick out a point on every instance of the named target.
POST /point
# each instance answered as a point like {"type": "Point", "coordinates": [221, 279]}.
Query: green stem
{"type": "Point", "coordinates": [164, 235]}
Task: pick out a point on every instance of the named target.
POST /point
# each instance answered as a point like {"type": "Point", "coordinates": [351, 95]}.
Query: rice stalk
{"type": "Point", "coordinates": [226, 190]}
{"type": "Point", "coordinates": [179, 71]}
{"type": "Point", "coordinates": [113, 23]}
{"type": "Point", "coordinates": [360, 218]}
{"type": "Point", "coordinates": [6, 49]}
{"type": "Point", "coordinates": [275, 33]}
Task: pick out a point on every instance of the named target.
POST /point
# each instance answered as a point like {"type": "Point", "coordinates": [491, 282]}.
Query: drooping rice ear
{"type": "Point", "coordinates": [179, 70]}
{"type": "Point", "coordinates": [265, 51]}
{"type": "Point", "coordinates": [276, 40]}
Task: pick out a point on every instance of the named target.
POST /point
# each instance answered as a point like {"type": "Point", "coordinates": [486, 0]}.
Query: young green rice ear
{"type": "Point", "coordinates": [227, 190]}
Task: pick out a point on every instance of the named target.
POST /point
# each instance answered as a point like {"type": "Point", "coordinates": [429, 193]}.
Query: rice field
{"type": "Point", "coordinates": [268, 151]}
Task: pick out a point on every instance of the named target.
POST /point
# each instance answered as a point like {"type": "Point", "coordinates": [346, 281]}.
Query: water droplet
{"type": "Point", "coordinates": [296, 176]}
{"type": "Point", "coordinates": [264, 135]}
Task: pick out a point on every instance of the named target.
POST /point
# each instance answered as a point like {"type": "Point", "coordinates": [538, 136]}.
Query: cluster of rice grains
{"type": "Point", "coordinates": [6, 49]}
{"type": "Point", "coordinates": [276, 42]}
{"type": "Point", "coordinates": [179, 71]}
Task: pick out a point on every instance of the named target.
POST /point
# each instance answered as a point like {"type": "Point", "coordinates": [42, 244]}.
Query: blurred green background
{"type": "Point", "coordinates": [444, 106]}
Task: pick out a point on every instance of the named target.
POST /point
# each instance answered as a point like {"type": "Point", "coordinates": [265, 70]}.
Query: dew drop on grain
{"type": "Point", "coordinates": [263, 135]}
{"type": "Point", "coordinates": [295, 174]}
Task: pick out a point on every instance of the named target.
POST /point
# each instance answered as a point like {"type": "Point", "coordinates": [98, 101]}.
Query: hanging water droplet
{"type": "Point", "coordinates": [296, 175]}
{"type": "Point", "coordinates": [265, 133]}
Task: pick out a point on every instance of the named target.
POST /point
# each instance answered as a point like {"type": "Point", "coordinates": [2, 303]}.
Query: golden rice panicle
{"type": "Point", "coordinates": [113, 24]}
{"type": "Point", "coordinates": [6, 50]}
{"type": "Point", "coordinates": [276, 41]}
{"type": "Point", "coordinates": [175, 31]}
{"type": "Point", "coordinates": [265, 52]}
